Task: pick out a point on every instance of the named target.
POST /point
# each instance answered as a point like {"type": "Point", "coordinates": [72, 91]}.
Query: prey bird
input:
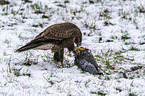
{"type": "Point", "coordinates": [56, 37]}
{"type": "Point", "coordinates": [85, 60]}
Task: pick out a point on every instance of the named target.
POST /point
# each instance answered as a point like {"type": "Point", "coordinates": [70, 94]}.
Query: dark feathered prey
{"type": "Point", "coordinates": [56, 37]}
{"type": "Point", "coordinates": [85, 60]}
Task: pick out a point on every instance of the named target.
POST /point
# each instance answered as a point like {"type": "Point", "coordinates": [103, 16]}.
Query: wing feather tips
{"type": "Point", "coordinates": [23, 48]}
{"type": "Point", "coordinates": [28, 47]}
{"type": "Point", "coordinates": [19, 50]}
{"type": "Point", "coordinates": [32, 45]}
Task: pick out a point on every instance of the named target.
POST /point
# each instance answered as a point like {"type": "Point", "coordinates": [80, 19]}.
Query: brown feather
{"type": "Point", "coordinates": [59, 31]}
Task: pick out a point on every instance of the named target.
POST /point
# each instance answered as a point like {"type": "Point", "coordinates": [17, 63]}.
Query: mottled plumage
{"type": "Point", "coordinates": [56, 37]}
{"type": "Point", "coordinates": [85, 60]}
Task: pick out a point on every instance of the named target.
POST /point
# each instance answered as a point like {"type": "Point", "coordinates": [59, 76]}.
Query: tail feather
{"type": "Point", "coordinates": [29, 46]}
{"type": "Point", "coordinates": [34, 43]}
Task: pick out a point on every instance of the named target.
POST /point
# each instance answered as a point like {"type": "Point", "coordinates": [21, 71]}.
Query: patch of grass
{"type": "Point", "coordinates": [39, 8]}
{"type": "Point", "coordinates": [26, 73]}
{"type": "Point", "coordinates": [87, 83]}
{"type": "Point", "coordinates": [110, 61]}
{"type": "Point", "coordinates": [56, 2]}
{"type": "Point", "coordinates": [129, 43]}
{"type": "Point", "coordinates": [131, 73]}
{"type": "Point", "coordinates": [46, 57]}
{"type": "Point", "coordinates": [30, 59]}
{"type": "Point", "coordinates": [29, 62]}
{"type": "Point", "coordinates": [9, 66]}
{"type": "Point", "coordinates": [119, 89]}
{"type": "Point", "coordinates": [91, 2]}
{"type": "Point", "coordinates": [114, 37]}
{"type": "Point", "coordinates": [12, 24]}
{"type": "Point", "coordinates": [134, 49]}
{"type": "Point", "coordinates": [17, 71]}
{"type": "Point", "coordinates": [38, 25]}
{"type": "Point", "coordinates": [136, 67]}
{"type": "Point", "coordinates": [107, 23]}
{"type": "Point", "coordinates": [135, 24]}
{"type": "Point", "coordinates": [142, 43]}
{"type": "Point", "coordinates": [6, 10]}
{"type": "Point", "coordinates": [36, 6]}
{"type": "Point", "coordinates": [126, 15]}
{"type": "Point", "coordinates": [7, 41]}
{"type": "Point", "coordinates": [93, 92]}
{"type": "Point", "coordinates": [100, 93]}
{"type": "Point", "coordinates": [4, 2]}
{"type": "Point", "coordinates": [141, 9]}
{"type": "Point", "coordinates": [132, 94]}
{"type": "Point", "coordinates": [47, 16]}
{"type": "Point", "coordinates": [21, 37]}
{"type": "Point", "coordinates": [123, 14]}
{"type": "Point", "coordinates": [27, 1]}
{"type": "Point", "coordinates": [105, 14]}
{"type": "Point", "coordinates": [109, 40]}
{"type": "Point", "coordinates": [39, 12]}
{"type": "Point", "coordinates": [91, 26]}
{"type": "Point", "coordinates": [66, 1]}
{"type": "Point", "coordinates": [61, 5]}
{"type": "Point", "coordinates": [124, 37]}
{"type": "Point", "coordinates": [50, 78]}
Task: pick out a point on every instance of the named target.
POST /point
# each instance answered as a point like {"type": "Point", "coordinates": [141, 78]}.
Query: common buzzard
{"type": "Point", "coordinates": [85, 60]}
{"type": "Point", "coordinates": [56, 37]}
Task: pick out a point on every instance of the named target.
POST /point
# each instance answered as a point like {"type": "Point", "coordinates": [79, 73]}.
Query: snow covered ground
{"type": "Point", "coordinates": [113, 29]}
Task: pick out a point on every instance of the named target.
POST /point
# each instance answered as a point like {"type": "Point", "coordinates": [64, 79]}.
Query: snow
{"type": "Point", "coordinates": [43, 77]}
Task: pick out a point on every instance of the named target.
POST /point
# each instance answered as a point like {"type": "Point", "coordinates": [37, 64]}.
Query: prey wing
{"type": "Point", "coordinates": [87, 66]}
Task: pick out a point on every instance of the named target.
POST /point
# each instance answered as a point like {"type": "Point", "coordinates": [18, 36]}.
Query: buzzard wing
{"type": "Point", "coordinates": [58, 32]}
{"type": "Point", "coordinates": [53, 35]}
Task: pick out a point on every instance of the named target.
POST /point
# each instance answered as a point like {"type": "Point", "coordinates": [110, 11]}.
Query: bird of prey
{"type": "Point", "coordinates": [56, 37]}
{"type": "Point", "coordinates": [85, 60]}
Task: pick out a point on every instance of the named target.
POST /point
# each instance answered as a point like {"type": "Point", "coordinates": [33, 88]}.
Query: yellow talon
{"type": "Point", "coordinates": [81, 49]}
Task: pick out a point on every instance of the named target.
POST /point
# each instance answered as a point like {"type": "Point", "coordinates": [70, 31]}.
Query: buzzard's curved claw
{"type": "Point", "coordinates": [81, 49]}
